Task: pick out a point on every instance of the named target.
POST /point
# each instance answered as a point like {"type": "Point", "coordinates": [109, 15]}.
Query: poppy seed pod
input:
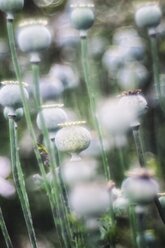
{"type": "Point", "coordinates": [82, 15]}
{"type": "Point", "coordinates": [121, 206]}
{"type": "Point", "coordinates": [11, 6]}
{"type": "Point", "coordinates": [72, 138]}
{"type": "Point", "coordinates": [17, 114]}
{"type": "Point", "coordinates": [80, 170]}
{"type": "Point", "coordinates": [52, 115]}
{"type": "Point", "coordinates": [140, 188]}
{"type": "Point", "coordinates": [10, 95]}
{"type": "Point", "coordinates": [148, 15]}
{"type": "Point", "coordinates": [132, 76]}
{"type": "Point", "coordinates": [89, 199]}
{"type": "Point", "coordinates": [33, 36]}
{"type": "Point", "coordinates": [135, 100]}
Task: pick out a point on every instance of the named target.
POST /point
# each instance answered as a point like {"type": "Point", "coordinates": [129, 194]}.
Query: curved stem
{"type": "Point", "coordinates": [5, 231]}
{"type": "Point", "coordinates": [11, 39]}
{"type": "Point", "coordinates": [19, 182]}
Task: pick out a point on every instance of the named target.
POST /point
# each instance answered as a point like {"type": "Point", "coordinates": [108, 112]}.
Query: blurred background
{"type": "Point", "coordinates": [120, 59]}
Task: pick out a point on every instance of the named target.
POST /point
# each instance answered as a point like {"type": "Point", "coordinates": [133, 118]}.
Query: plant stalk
{"type": "Point", "coordinates": [5, 231]}
{"type": "Point", "coordinates": [91, 96]}
{"type": "Point", "coordinates": [19, 182]}
{"type": "Point", "coordinates": [139, 147]}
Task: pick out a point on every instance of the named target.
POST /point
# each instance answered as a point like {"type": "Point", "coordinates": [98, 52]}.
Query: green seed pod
{"type": "Point", "coordinates": [89, 199]}
{"type": "Point", "coordinates": [140, 187]}
{"type": "Point", "coordinates": [10, 95]}
{"type": "Point", "coordinates": [16, 113]}
{"type": "Point", "coordinates": [82, 18]}
{"type": "Point", "coordinates": [148, 16]}
{"type": "Point", "coordinates": [33, 36]}
{"type": "Point", "coordinates": [134, 99]}
{"type": "Point", "coordinates": [52, 115]}
{"type": "Point", "coordinates": [11, 6]}
{"type": "Point", "coordinates": [72, 138]}
{"type": "Point", "coordinates": [78, 170]}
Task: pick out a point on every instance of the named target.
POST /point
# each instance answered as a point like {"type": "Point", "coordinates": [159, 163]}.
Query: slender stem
{"type": "Point", "coordinates": [160, 210]}
{"type": "Point", "coordinates": [141, 228]}
{"type": "Point", "coordinates": [121, 161]}
{"type": "Point", "coordinates": [12, 46]}
{"type": "Point", "coordinates": [37, 96]}
{"type": "Point", "coordinates": [55, 196]}
{"type": "Point", "coordinates": [20, 184]}
{"type": "Point", "coordinates": [133, 224]}
{"type": "Point", "coordinates": [138, 143]}
{"type": "Point", "coordinates": [11, 39]}
{"type": "Point", "coordinates": [91, 96]}
{"type": "Point", "coordinates": [5, 231]}
{"type": "Point", "coordinates": [155, 61]}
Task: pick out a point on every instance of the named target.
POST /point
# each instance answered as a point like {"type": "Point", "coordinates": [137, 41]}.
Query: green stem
{"type": "Point", "coordinates": [20, 184]}
{"type": "Point", "coordinates": [138, 143]}
{"type": "Point", "coordinates": [133, 224]}
{"type": "Point", "coordinates": [28, 117]}
{"type": "Point", "coordinates": [160, 209]}
{"type": "Point", "coordinates": [37, 96]}
{"type": "Point", "coordinates": [155, 62]}
{"type": "Point", "coordinates": [121, 162]}
{"type": "Point", "coordinates": [5, 231]}
{"type": "Point", "coordinates": [141, 228]}
{"type": "Point", "coordinates": [55, 196]}
{"type": "Point", "coordinates": [91, 96]}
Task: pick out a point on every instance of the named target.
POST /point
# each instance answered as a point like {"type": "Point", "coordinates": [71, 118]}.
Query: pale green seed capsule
{"type": "Point", "coordinates": [11, 6]}
{"type": "Point", "coordinates": [148, 16]}
{"type": "Point", "coordinates": [82, 18]}
{"type": "Point", "coordinates": [33, 36]}
{"type": "Point", "coordinates": [73, 139]}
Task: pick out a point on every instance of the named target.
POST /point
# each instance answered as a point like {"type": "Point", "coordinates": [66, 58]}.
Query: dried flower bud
{"type": "Point", "coordinates": [148, 15]}
{"type": "Point", "coordinates": [73, 139]}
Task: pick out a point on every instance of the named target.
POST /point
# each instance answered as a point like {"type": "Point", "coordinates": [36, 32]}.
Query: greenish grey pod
{"type": "Point", "coordinates": [10, 95]}
{"type": "Point", "coordinates": [72, 139]}
{"type": "Point", "coordinates": [17, 114]}
{"type": "Point", "coordinates": [140, 190]}
{"type": "Point", "coordinates": [11, 6]}
{"type": "Point", "coordinates": [148, 16]}
{"type": "Point", "coordinates": [82, 18]}
{"type": "Point", "coordinates": [52, 117]}
{"type": "Point", "coordinates": [33, 36]}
